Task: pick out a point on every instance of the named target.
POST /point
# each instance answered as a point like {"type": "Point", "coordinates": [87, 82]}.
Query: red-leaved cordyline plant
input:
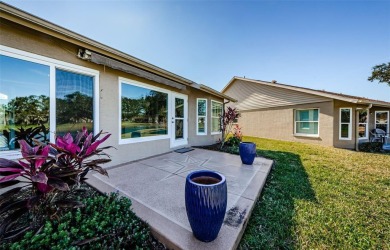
{"type": "Point", "coordinates": [52, 172]}
{"type": "Point", "coordinates": [227, 120]}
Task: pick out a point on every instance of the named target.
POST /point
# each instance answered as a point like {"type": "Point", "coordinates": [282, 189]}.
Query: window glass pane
{"type": "Point", "coordinates": [303, 115]}
{"type": "Point", "coordinates": [344, 130]}
{"type": "Point", "coordinates": [24, 98]}
{"type": "Point", "coordinates": [179, 108]}
{"type": "Point", "coordinates": [345, 116]}
{"type": "Point", "coordinates": [307, 115]}
{"type": "Point", "coordinates": [144, 112]}
{"type": "Point", "coordinates": [215, 124]}
{"type": "Point", "coordinates": [216, 113]}
{"type": "Point", "coordinates": [310, 128]}
{"type": "Point", "coordinates": [216, 109]}
{"type": "Point", "coordinates": [74, 102]}
{"type": "Point", "coordinates": [201, 107]}
{"type": "Point", "coordinates": [179, 129]}
{"type": "Point", "coordinates": [201, 124]}
{"type": "Point", "coordinates": [362, 130]}
{"type": "Point", "coordinates": [363, 116]}
{"type": "Point", "coordinates": [381, 117]}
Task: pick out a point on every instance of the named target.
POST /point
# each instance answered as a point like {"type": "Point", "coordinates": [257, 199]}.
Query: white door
{"type": "Point", "coordinates": [179, 120]}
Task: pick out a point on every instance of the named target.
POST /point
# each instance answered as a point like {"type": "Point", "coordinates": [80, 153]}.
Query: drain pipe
{"type": "Point", "coordinates": [357, 124]}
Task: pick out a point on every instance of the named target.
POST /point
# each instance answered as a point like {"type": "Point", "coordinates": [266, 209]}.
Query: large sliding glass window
{"type": "Point", "coordinates": [216, 115]}
{"type": "Point", "coordinates": [345, 124]}
{"type": "Point", "coordinates": [144, 111]}
{"type": "Point", "coordinates": [24, 98]}
{"type": "Point", "coordinates": [363, 124]}
{"type": "Point", "coordinates": [36, 90]}
{"type": "Point", "coordinates": [74, 102]}
{"type": "Point", "coordinates": [201, 125]}
{"type": "Point", "coordinates": [306, 122]}
{"type": "Point", "coordinates": [382, 120]}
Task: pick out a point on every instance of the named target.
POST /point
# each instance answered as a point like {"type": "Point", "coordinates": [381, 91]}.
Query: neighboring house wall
{"type": "Point", "coordinates": [372, 115]}
{"type": "Point", "coordinates": [351, 143]}
{"type": "Point", "coordinates": [252, 95]}
{"type": "Point", "coordinates": [22, 38]}
{"type": "Point", "coordinates": [278, 123]}
{"type": "Point", "coordinates": [268, 112]}
{"type": "Point", "coordinates": [344, 143]}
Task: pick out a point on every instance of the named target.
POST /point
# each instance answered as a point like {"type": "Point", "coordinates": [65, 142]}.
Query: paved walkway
{"type": "Point", "coordinates": [156, 188]}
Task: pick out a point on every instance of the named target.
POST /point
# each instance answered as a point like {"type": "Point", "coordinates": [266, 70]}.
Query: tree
{"type": "Point", "coordinates": [381, 73]}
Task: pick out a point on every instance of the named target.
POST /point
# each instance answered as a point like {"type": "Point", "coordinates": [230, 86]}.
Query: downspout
{"type": "Point", "coordinates": [357, 125]}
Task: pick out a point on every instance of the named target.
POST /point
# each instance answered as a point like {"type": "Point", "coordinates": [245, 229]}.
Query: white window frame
{"type": "Point", "coordinates": [142, 85]}
{"type": "Point", "coordinates": [201, 116]}
{"type": "Point", "coordinates": [295, 123]}
{"type": "Point", "coordinates": [349, 125]}
{"type": "Point", "coordinates": [54, 64]}
{"type": "Point", "coordinates": [364, 123]}
{"type": "Point", "coordinates": [211, 115]}
{"type": "Point", "coordinates": [388, 118]}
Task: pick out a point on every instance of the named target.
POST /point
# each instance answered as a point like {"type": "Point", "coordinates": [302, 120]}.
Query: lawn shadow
{"type": "Point", "coordinates": [271, 225]}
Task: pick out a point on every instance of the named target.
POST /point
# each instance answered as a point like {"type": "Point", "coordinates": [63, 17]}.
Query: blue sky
{"type": "Point", "coordinates": [330, 45]}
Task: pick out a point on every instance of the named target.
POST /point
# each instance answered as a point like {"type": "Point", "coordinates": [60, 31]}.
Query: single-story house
{"type": "Point", "coordinates": [50, 75]}
{"type": "Point", "coordinates": [284, 112]}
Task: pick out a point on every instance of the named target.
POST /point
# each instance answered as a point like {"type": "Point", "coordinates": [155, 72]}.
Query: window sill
{"type": "Point", "coordinates": [304, 135]}
{"type": "Point", "coordinates": [142, 139]}
{"type": "Point", "coordinates": [11, 154]}
{"type": "Point", "coordinates": [216, 133]}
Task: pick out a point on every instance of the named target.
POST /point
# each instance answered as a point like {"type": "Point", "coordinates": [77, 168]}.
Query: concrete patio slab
{"type": "Point", "coordinates": [156, 188]}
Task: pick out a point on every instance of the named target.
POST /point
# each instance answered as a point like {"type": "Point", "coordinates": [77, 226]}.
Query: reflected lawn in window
{"type": "Point", "coordinates": [72, 128]}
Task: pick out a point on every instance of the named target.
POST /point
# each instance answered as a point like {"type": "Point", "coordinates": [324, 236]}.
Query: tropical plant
{"type": "Point", "coordinates": [30, 135]}
{"type": "Point", "coordinates": [236, 138]}
{"type": "Point", "coordinates": [227, 120]}
{"type": "Point", "coordinates": [106, 222]}
{"type": "Point", "coordinates": [47, 175]}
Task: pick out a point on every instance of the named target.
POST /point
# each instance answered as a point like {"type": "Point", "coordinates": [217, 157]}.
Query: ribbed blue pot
{"type": "Point", "coordinates": [247, 152]}
{"type": "Point", "coordinates": [206, 205]}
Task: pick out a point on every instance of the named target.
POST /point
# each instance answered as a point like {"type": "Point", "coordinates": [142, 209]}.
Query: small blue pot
{"type": "Point", "coordinates": [247, 152]}
{"type": "Point", "coordinates": [205, 204]}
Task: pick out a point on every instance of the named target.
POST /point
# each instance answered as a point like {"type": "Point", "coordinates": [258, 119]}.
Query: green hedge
{"type": "Point", "coordinates": [105, 222]}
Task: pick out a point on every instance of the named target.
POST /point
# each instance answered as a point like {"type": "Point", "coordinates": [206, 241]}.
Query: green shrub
{"type": "Point", "coordinates": [233, 141]}
{"type": "Point", "coordinates": [106, 222]}
{"type": "Point", "coordinates": [370, 147]}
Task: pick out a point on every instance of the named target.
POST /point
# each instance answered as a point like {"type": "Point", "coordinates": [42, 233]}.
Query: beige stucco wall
{"type": "Point", "coordinates": [371, 119]}
{"type": "Point", "coordinates": [18, 37]}
{"type": "Point", "coordinates": [278, 123]}
{"type": "Point", "coordinates": [350, 144]}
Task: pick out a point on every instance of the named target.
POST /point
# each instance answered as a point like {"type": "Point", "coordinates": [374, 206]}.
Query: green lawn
{"type": "Point", "coordinates": [321, 198]}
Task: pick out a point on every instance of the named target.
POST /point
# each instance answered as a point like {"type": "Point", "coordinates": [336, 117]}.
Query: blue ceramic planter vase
{"type": "Point", "coordinates": [247, 152]}
{"type": "Point", "coordinates": [206, 200]}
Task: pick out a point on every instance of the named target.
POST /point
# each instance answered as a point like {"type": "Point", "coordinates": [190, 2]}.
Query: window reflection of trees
{"type": "Point", "coordinates": [146, 115]}
{"type": "Point", "coordinates": [27, 110]}
{"type": "Point", "coordinates": [151, 108]}
{"type": "Point", "coordinates": [75, 108]}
